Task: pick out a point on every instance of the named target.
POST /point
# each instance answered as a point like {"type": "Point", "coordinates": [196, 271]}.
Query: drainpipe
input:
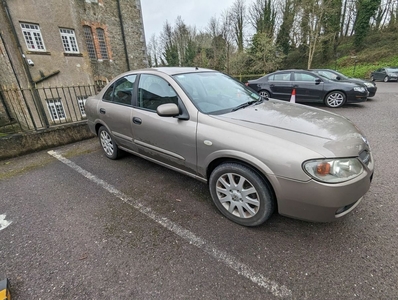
{"type": "Point", "coordinates": [35, 94]}
{"type": "Point", "coordinates": [123, 35]}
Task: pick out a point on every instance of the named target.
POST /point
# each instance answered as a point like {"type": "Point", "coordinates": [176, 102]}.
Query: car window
{"type": "Point", "coordinates": [154, 91]}
{"type": "Point", "coordinates": [121, 91]}
{"type": "Point", "coordinates": [279, 77]}
{"type": "Point", "coordinates": [304, 77]}
{"type": "Point", "coordinates": [124, 90]}
{"type": "Point", "coordinates": [327, 74]}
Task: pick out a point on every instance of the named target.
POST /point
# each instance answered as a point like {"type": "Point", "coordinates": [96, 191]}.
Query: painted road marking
{"type": "Point", "coordinates": [220, 255]}
{"type": "Point", "coordinates": [3, 222]}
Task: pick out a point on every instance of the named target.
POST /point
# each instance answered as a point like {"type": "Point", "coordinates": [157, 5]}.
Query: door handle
{"type": "Point", "coordinates": [102, 111]}
{"type": "Point", "coordinates": [137, 121]}
{"type": "Point", "coordinates": [272, 85]}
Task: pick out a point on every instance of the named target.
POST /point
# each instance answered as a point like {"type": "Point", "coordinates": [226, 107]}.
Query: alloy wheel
{"type": "Point", "coordinates": [335, 99]}
{"type": "Point", "coordinates": [237, 195]}
{"type": "Point", "coordinates": [106, 142]}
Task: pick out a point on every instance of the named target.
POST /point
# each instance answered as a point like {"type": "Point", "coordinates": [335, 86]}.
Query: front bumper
{"type": "Point", "coordinates": [320, 202]}
{"type": "Point", "coordinates": [372, 91]}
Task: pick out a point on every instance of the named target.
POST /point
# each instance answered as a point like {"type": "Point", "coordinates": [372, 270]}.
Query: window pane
{"type": "Point", "coordinates": [154, 91]}
{"type": "Point", "coordinates": [102, 44]}
{"type": "Point", "coordinates": [69, 40]}
{"type": "Point", "coordinates": [33, 38]}
{"type": "Point", "coordinates": [89, 42]}
{"type": "Point", "coordinates": [124, 90]}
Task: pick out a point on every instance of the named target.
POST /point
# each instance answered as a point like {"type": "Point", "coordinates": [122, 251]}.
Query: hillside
{"type": "Point", "coordinates": [380, 50]}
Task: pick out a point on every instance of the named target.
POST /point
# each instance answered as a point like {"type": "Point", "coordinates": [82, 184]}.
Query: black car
{"type": "Point", "coordinates": [309, 87]}
{"type": "Point", "coordinates": [385, 74]}
{"type": "Point", "coordinates": [332, 74]}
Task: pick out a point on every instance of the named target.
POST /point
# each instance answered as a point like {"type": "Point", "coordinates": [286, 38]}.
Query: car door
{"type": "Point", "coordinates": [309, 87]}
{"type": "Point", "coordinates": [115, 110]}
{"type": "Point", "coordinates": [168, 140]}
{"type": "Point", "coordinates": [379, 74]}
{"type": "Point", "coordinates": [280, 85]}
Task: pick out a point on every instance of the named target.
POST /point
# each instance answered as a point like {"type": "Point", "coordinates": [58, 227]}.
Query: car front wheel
{"type": "Point", "coordinates": [264, 94]}
{"type": "Point", "coordinates": [335, 99]}
{"type": "Point", "coordinates": [386, 79]}
{"type": "Point", "coordinates": [241, 194]}
{"type": "Point", "coordinates": [108, 145]}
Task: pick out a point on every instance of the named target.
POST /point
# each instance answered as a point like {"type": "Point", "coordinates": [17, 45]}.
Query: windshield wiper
{"type": "Point", "coordinates": [246, 104]}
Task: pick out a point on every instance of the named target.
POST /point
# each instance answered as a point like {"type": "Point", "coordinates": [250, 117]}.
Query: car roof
{"type": "Point", "coordinates": [178, 70]}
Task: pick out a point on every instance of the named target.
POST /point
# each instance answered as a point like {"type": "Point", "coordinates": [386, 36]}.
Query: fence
{"type": "Point", "coordinates": [38, 108]}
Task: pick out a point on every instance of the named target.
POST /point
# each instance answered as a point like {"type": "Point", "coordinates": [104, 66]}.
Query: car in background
{"type": "Point", "coordinates": [257, 155]}
{"type": "Point", "coordinates": [385, 74]}
{"type": "Point", "coordinates": [334, 75]}
{"type": "Point", "coordinates": [309, 87]}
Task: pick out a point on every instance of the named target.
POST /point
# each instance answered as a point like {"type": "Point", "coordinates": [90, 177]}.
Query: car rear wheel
{"type": "Point", "coordinates": [372, 78]}
{"type": "Point", "coordinates": [335, 99]}
{"type": "Point", "coordinates": [241, 194]}
{"type": "Point", "coordinates": [264, 94]}
{"type": "Point", "coordinates": [386, 79]}
{"type": "Point", "coordinates": [108, 145]}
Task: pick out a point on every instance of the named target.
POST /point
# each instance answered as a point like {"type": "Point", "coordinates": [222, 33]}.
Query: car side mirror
{"type": "Point", "coordinates": [318, 81]}
{"type": "Point", "coordinates": [338, 77]}
{"type": "Point", "coordinates": [168, 110]}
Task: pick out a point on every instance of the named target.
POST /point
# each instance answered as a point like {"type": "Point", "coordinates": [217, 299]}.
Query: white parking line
{"type": "Point", "coordinates": [222, 256]}
{"type": "Point", "coordinates": [3, 222]}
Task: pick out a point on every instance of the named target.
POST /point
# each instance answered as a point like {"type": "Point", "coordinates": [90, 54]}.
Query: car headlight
{"type": "Point", "coordinates": [333, 170]}
{"type": "Point", "coordinates": [360, 89]}
{"type": "Point", "coordinates": [369, 84]}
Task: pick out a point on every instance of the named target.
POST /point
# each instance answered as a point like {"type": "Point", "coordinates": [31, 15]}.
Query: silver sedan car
{"type": "Point", "coordinates": [257, 155]}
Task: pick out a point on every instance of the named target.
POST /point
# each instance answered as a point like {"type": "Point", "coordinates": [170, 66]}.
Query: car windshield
{"type": "Point", "coordinates": [216, 93]}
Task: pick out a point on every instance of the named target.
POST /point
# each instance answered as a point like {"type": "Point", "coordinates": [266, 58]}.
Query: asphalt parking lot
{"type": "Point", "coordinates": [76, 225]}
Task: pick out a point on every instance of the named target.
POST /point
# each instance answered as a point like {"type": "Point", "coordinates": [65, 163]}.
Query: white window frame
{"type": "Point", "coordinates": [81, 102]}
{"type": "Point", "coordinates": [56, 109]}
{"type": "Point", "coordinates": [32, 36]}
{"type": "Point", "coordinates": [68, 39]}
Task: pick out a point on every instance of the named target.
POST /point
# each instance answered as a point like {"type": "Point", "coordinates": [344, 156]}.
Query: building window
{"type": "Point", "coordinates": [89, 42]}
{"type": "Point", "coordinates": [103, 51]}
{"type": "Point", "coordinates": [69, 40]}
{"type": "Point", "coordinates": [81, 102]}
{"type": "Point", "coordinates": [33, 38]}
{"type": "Point", "coordinates": [56, 109]}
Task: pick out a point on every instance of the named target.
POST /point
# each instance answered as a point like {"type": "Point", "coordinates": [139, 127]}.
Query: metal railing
{"type": "Point", "coordinates": [39, 108]}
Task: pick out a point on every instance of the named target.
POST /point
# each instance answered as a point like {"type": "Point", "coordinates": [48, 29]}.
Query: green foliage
{"type": "Point", "coordinates": [366, 10]}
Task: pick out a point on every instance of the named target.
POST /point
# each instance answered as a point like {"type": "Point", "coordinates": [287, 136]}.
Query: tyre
{"type": "Point", "coordinates": [386, 79]}
{"type": "Point", "coordinates": [109, 146]}
{"type": "Point", "coordinates": [241, 194]}
{"type": "Point", "coordinates": [335, 99]}
{"type": "Point", "coordinates": [264, 94]}
{"type": "Point", "coordinates": [372, 78]}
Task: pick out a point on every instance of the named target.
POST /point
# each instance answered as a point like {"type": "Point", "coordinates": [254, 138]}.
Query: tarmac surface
{"type": "Point", "coordinates": [76, 225]}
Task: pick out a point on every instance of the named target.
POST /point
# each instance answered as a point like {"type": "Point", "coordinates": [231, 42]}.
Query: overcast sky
{"type": "Point", "coordinates": [193, 12]}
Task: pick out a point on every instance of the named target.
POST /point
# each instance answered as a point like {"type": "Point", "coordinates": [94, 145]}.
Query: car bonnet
{"type": "Point", "coordinates": [327, 133]}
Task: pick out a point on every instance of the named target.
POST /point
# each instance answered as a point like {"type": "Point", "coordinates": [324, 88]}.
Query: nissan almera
{"type": "Point", "coordinates": [257, 155]}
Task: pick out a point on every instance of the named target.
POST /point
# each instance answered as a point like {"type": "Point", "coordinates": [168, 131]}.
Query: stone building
{"type": "Point", "coordinates": [63, 43]}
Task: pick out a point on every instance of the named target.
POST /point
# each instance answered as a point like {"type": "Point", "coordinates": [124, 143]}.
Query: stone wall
{"type": "Point", "coordinates": [20, 144]}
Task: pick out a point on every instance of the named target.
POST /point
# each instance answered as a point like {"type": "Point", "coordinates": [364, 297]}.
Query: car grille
{"type": "Point", "coordinates": [364, 156]}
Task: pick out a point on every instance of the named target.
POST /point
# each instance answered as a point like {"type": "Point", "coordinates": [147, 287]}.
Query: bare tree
{"type": "Point", "coordinates": [238, 19]}
{"type": "Point", "coordinates": [262, 16]}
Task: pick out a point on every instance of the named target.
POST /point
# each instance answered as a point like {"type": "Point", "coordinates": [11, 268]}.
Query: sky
{"type": "Point", "coordinates": [193, 12]}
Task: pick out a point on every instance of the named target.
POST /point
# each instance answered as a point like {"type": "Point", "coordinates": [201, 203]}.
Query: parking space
{"type": "Point", "coordinates": [81, 226]}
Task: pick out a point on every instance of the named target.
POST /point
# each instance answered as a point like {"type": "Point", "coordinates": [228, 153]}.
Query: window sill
{"type": "Point", "coordinates": [38, 52]}
{"type": "Point", "coordinates": [73, 54]}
